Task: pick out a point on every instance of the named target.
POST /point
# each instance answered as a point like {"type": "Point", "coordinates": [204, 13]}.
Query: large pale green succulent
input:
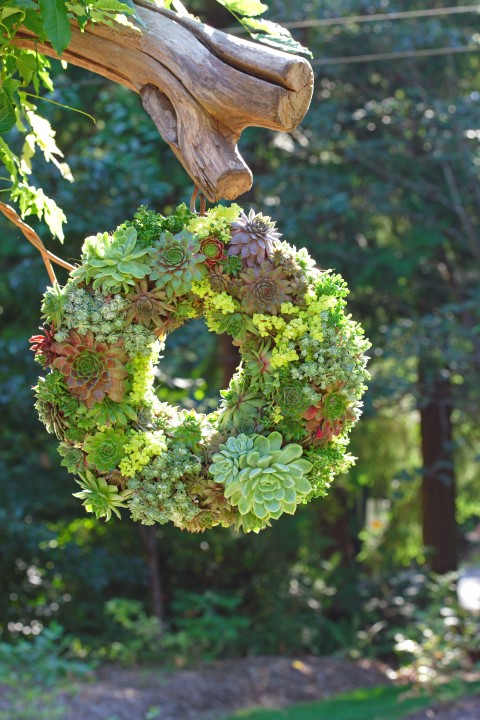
{"type": "Point", "coordinates": [114, 262]}
{"type": "Point", "coordinates": [271, 479]}
{"type": "Point", "coordinates": [177, 262]}
{"type": "Point", "coordinates": [99, 497]}
{"type": "Point", "coordinates": [225, 466]}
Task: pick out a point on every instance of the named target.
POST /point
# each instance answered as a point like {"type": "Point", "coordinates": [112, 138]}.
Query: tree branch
{"type": "Point", "coordinates": [201, 87]}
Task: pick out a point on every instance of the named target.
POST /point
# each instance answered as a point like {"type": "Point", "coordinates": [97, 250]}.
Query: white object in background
{"type": "Point", "coordinates": [468, 589]}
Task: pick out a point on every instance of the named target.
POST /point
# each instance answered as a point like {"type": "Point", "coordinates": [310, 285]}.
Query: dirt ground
{"type": "Point", "coordinates": [214, 691]}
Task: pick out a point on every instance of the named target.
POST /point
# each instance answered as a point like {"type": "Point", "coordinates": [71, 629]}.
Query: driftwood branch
{"type": "Point", "coordinates": [201, 87]}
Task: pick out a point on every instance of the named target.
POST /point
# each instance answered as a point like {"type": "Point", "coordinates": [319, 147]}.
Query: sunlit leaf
{"type": "Point", "coordinates": [55, 21]}
{"type": "Point", "coordinates": [248, 8]}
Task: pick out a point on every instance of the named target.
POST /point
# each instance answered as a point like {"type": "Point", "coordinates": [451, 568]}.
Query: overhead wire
{"type": "Point", "coordinates": [375, 17]}
{"type": "Point", "coordinates": [374, 57]}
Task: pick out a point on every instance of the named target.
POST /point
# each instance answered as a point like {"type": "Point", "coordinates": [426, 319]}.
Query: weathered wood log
{"type": "Point", "coordinates": [201, 87]}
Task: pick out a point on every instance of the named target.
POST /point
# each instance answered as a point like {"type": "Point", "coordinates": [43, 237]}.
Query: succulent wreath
{"type": "Point", "coordinates": [279, 435]}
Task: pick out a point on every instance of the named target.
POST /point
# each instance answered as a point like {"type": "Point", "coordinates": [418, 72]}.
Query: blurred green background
{"type": "Point", "coordinates": [380, 182]}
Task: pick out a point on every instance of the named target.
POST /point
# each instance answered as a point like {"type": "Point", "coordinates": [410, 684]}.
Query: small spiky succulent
{"type": "Point", "coordinates": [42, 346]}
{"type": "Point", "coordinates": [211, 499]}
{"type": "Point", "coordinates": [238, 404]}
{"type": "Point", "coordinates": [257, 362]}
{"type": "Point", "coordinates": [99, 497]}
{"type": "Point", "coordinates": [53, 304]}
{"type": "Point", "coordinates": [237, 325]}
{"type": "Point", "coordinates": [291, 398]}
{"type": "Point", "coordinates": [105, 449]}
{"type": "Point", "coordinates": [92, 370]}
{"type": "Point", "coordinates": [326, 419]}
{"type": "Point", "coordinates": [218, 279]}
{"type": "Point", "coordinates": [113, 262]}
{"type": "Point", "coordinates": [73, 457]}
{"type": "Point", "coordinates": [177, 262]}
{"type": "Point", "coordinates": [54, 403]}
{"type": "Point", "coordinates": [264, 289]}
{"type": "Point", "coordinates": [109, 412]}
{"type": "Point", "coordinates": [189, 431]}
{"type": "Point", "coordinates": [147, 307]}
{"type": "Point", "coordinates": [253, 237]}
{"type": "Point", "coordinates": [271, 479]}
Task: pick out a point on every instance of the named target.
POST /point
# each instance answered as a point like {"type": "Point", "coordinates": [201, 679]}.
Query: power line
{"type": "Point", "coordinates": [347, 59]}
{"type": "Point", "coordinates": [351, 19]}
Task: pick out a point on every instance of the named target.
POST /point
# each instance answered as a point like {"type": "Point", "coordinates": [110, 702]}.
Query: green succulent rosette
{"type": "Point", "coordinates": [280, 432]}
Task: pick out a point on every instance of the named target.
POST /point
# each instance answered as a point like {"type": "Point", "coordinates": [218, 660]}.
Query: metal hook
{"type": "Point", "coordinates": [193, 202]}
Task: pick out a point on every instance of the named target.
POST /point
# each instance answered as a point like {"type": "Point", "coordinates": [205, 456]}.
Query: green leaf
{"type": "Point", "coordinates": [273, 34]}
{"type": "Point", "coordinates": [27, 66]}
{"type": "Point", "coordinates": [7, 112]}
{"type": "Point", "coordinates": [55, 21]}
{"type": "Point", "coordinates": [248, 8]}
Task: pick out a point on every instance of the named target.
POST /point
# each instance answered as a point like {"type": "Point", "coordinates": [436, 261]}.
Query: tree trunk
{"type": "Point", "coordinates": [201, 87]}
{"type": "Point", "coordinates": [150, 543]}
{"type": "Point", "coordinates": [440, 534]}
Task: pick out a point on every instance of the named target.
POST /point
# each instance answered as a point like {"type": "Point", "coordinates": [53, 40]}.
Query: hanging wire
{"type": "Point", "coordinates": [32, 237]}
{"type": "Point", "coordinates": [374, 57]}
{"type": "Point", "coordinates": [376, 17]}
{"type": "Point", "coordinates": [193, 201]}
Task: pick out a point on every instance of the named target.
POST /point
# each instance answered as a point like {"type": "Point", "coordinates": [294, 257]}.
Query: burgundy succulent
{"type": "Point", "coordinates": [92, 370]}
{"type": "Point", "coordinates": [252, 238]}
{"type": "Point", "coordinates": [147, 307]}
{"type": "Point", "coordinates": [213, 249]}
{"type": "Point", "coordinates": [264, 289]}
{"type": "Point", "coordinates": [219, 281]}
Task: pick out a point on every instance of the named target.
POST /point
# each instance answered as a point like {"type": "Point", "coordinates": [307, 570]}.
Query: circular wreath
{"type": "Point", "coordinates": [280, 433]}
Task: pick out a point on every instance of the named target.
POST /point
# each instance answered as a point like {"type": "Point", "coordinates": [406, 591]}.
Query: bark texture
{"type": "Point", "coordinates": [201, 87]}
{"type": "Point", "coordinates": [440, 534]}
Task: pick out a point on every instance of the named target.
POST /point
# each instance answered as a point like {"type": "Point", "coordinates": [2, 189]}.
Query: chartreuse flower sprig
{"type": "Point", "coordinates": [280, 432]}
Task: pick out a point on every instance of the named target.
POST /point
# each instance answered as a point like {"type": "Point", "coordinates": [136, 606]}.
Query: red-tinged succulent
{"type": "Point", "coordinates": [252, 238]}
{"type": "Point", "coordinates": [318, 426]}
{"type": "Point", "coordinates": [213, 249]}
{"type": "Point", "coordinates": [92, 370]}
{"type": "Point", "coordinates": [147, 307]}
{"type": "Point", "coordinates": [264, 289]}
{"type": "Point", "coordinates": [218, 279]}
{"type": "Point", "coordinates": [326, 419]}
{"type": "Point", "coordinates": [42, 346]}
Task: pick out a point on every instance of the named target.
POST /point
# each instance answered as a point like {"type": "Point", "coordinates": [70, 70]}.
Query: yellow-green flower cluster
{"type": "Point", "coordinates": [216, 221]}
{"type": "Point", "coordinates": [268, 324]}
{"type": "Point", "coordinates": [143, 373]}
{"type": "Point", "coordinates": [140, 449]}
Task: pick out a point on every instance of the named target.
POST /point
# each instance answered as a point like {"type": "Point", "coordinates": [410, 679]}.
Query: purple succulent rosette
{"type": "Point", "coordinates": [280, 432]}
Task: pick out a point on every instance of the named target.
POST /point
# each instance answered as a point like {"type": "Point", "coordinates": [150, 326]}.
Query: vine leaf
{"type": "Point", "coordinates": [7, 112]}
{"type": "Point", "coordinates": [55, 22]}
{"type": "Point", "coordinates": [249, 8]}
